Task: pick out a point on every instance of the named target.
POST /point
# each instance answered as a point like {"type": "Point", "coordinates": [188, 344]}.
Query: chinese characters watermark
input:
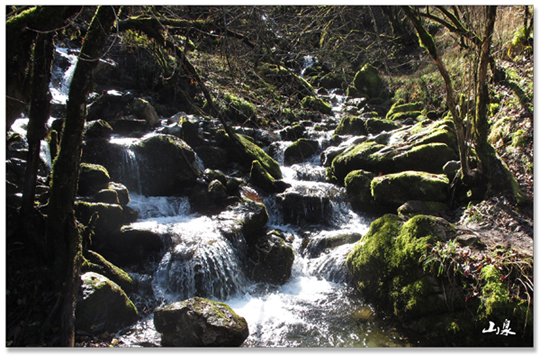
{"type": "Point", "coordinates": [505, 330]}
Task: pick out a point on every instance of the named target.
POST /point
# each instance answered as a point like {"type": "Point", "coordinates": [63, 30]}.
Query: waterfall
{"type": "Point", "coordinates": [61, 78]}
{"type": "Point", "coordinates": [306, 63]}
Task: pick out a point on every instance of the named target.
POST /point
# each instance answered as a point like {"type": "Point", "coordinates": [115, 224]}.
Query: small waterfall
{"type": "Point", "coordinates": [61, 77]}
{"type": "Point", "coordinates": [306, 63]}
{"type": "Point", "coordinates": [130, 174]}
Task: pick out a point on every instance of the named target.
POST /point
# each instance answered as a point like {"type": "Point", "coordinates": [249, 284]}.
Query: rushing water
{"type": "Point", "coordinates": [316, 307]}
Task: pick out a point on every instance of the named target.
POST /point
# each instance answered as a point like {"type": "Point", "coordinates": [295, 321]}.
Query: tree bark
{"type": "Point", "coordinates": [40, 108]}
{"type": "Point", "coordinates": [428, 42]}
{"type": "Point", "coordinates": [63, 235]}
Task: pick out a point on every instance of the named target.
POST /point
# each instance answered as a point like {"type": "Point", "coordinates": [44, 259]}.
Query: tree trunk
{"type": "Point", "coordinates": [495, 171]}
{"type": "Point", "coordinates": [428, 42]}
{"type": "Point", "coordinates": [62, 233]}
{"type": "Point", "coordinates": [40, 108]}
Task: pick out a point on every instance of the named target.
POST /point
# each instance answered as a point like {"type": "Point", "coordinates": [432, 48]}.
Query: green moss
{"type": "Point", "coordinates": [351, 125]}
{"type": "Point", "coordinates": [316, 104]}
{"type": "Point", "coordinates": [301, 150]}
{"type": "Point", "coordinates": [495, 296]}
{"type": "Point", "coordinates": [362, 156]}
{"type": "Point", "coordinates": [237, 108]}
{"type": "Point", "coordinates": [251, 151]}
{"type": "Point", "coordinates": [260, 177]}
{"type": "Point", "coordinates": [367, 81]}
{"type": "Point", "coordinates": [403, 110]}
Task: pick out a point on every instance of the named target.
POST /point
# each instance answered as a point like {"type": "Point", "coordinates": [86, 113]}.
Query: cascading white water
{"type": "Point", "coordinates": [61, 79]}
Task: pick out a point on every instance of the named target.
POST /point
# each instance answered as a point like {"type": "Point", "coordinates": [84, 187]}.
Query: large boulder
{"type": "Point", "coordinates": [386, 266]}
{"type": "Point", "coordinates": [103, 306]}
{"type": "Point", "coordinates": [244, 151]}
{"type": "Point", "coordinates": [170, 166]}
{"type": "Point", "coordinates": [198, 322]}
{"type": "Point", "coordinates": [271, 259]}
{"type": "Point", "coordinates": [110, 216]}
{"type": "Point", "coordinates": [131, 246]}
{"type": "Point", "coordinates": [300, 151]}
{"type": "Point", "coordinates": [396, 189]}
{"type": "Point", "coordinates": [316, 104]}
{"type": "Point", "coordinates": [98, 264]}
{"type": "Point", "coordinates": [92, 178]}
{"type": "Point", "coordinates": [425, 146]}
{"type": "Point", "coordinates": [402, 110]}
{"type": "Point", "coordinates": [358, 186]}
{"type": "Point", "coordinates": [366, 83]}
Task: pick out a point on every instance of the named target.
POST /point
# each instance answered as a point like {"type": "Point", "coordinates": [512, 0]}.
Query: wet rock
{"type": "Point", "coordinates": [102, 266]}
{"type": "Point", "coordinates": [271, 259]}
{"type": "Point", "coordinates": [102, 305]}
{"type": "Point", "coordinates": [217, 192]}
{"type": "Point", "coordinates": [121, 191]}
{"type": "Point", "coordinates": [106, 196]}
{"type": "Point", "coordinates": [169, 165]}
{"type": "Point", "coordinates": [198, 322]}
{"type": "Point", "coordinates": [92, 178]}
{"type": "Point", "coordinates": [130, 246]}
{"type": "Point", "coordinates": [130, 126]}
{"type": "Point", "coordinates": [292, 133]}
{"type": "Point", "coordinates": [396, 189]}
{"type": "Point", "coordinates": [315, 246]}
{"type": "Point", "coordinates": [316, 104]}
{"type": "Point", "coordinates": [300, 151]}
{"type": "Point", "coordinates": [358, 185]}
{"type": "Point", "coordinates": [303, 206]}
{"type": "Point", "coordinates": [110, 216]}
{"type": "Point", "coordinates": [144, 111]}
{"type": "Point", "coordinates": [98, 129]}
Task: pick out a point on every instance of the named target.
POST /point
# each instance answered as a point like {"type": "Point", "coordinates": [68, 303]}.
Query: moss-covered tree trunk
{"type": "Point", "coordinates": [40, 108]}
{"type": "Point", "coordinates": [495, 171]}
{"type": "Point", "coordinates": [62, 233]}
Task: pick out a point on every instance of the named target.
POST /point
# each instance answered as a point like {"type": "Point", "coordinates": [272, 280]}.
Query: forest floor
{"type": "Point", "coordinates": [497, 221]}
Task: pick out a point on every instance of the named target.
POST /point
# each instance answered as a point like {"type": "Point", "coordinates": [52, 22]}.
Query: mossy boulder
{"type": "Point", "coordinates": [92, 178]}
{"type": "Point", "coordinates": [170, 166]}
{"type": "Point", "coordinates": [367, 82]}
{"type": "Point", "coordinates": [401, 110]}
{"type": "Point", "coordinates": [98, 129]}
{"type": "Point", "coordinates": [358, 186]}
{"type": "Point", "coordinates": [245, 152]}
{"type": "Point", "coordinates": [386, 268]}
{"type": "Point", "coordinates": [98, 264]}
{"type": "Point", "coordinates": [106, 196]}
{"type": "Point", "coordinates": [121, 191]}
{"type": "Point", "coordinates": [292, 133]}
{"type": "Point", "coordinates": [261, 178]}
{"type": "Point", "coordinates": [271, 260]}
{"type": "Point", "coordinates": [103, 306]}
{"type": "Point", "coordinates": [425, 146]}
{"type": "Point", "coordinates": [300, 151]}
{"type": "Point", "coordinates": [198, 322]}
{"type": "Point", "coordinates": [316, 104]}
{"type": "Point", "coordinates": [396, 189]}
{"type": "Point", "coordinates": [430, 157]}
{"type": "Point", "coordinates": [354, 125]}
{"type": "Point", "coordinates": [110, 216]}
{"type": "Point", "coordinates": [363, 156]}
{"type": "Point", "coordinates": [377, 125]}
